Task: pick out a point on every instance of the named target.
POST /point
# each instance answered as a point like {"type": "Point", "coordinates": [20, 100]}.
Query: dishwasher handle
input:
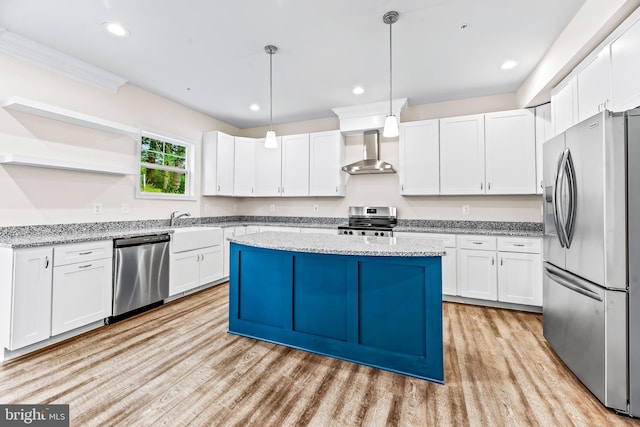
{"type": "Point", "coordinates": [140, 240]}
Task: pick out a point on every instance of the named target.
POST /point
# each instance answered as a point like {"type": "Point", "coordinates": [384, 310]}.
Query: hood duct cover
{"type": "Point", "coordinates": [371, 162]}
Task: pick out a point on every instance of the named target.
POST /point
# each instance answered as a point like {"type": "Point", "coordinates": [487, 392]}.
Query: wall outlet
{"type": "Point", "coordinates": [316, 208]}
{"type": "Point", "coordinates": [207, 207]}
{"type": "Point", "coordinates": [235, 207]}
{"type": "Point", "coordinates": [466, 209]}
{"type": "Point", "coordinates": [97, 208]}
{"type": "Point", "coordinates": [124, 208]}
{"type": "Point", "coordinates": [272, 207]}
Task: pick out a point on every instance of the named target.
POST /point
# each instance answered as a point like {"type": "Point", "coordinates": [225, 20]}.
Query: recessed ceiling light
{"type": "Point", "coordinates": [358, 90]}
{"type": "Point", "coordinates": [116, 29]}
{"type": "Point", "coordinates": [254, 107]}
{"type": "Point", "coordinates": [508, 64]}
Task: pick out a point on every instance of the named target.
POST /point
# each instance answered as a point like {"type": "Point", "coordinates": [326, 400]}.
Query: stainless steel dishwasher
{"type": "Point", "coordinates": [141, 272]}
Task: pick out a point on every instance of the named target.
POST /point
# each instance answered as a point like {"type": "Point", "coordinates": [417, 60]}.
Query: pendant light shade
{"type": "Point", "coordinates": [390, 126]}
{"type": "Point", "coordinates": [270, 140]}
{"type": "Point", "coordinates": [391, 122]}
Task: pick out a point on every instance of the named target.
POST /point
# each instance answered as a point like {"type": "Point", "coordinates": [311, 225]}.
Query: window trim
{"type": "Point", "coordinates": [189, 170]}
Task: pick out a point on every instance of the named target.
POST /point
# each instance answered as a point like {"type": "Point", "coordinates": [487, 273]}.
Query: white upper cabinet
{"type": "Point", "coordinates": [244, 171]}
{"type": "Point", "coordinates": [326, 157]}
{"type": "Point", "coordinates": [510, 152]}
{"type": "Point", "coordinates": [625, 69]}
{"type": "Point", "coordinates": [594, 84]}
{"type": "Point", "coordinates": [564, 105]}
{"type": "Point", "coordinates": [462, 155]}
{"type": "Point", "coordinates": [217, 164]}
{"type": "Point", "coordinates": [420, 158]}
{"type": "Point", "coordinates": [544, 131]}
{"type": "Point", "coordinates": [295, 165]}
{"type": "Point", "coordinates": [268, 162]}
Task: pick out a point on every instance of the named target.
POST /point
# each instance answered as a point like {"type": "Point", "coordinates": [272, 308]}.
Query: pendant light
{"type": "Point", "coordinates": [270, 140]}
{"type": "Point", "coordinates": [391, 122]}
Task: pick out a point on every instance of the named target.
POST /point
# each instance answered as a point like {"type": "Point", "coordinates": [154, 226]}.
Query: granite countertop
{"type": "Point", "coordinates": [44, 235]}
{"type": "Point", "coordinates": [343, 245]}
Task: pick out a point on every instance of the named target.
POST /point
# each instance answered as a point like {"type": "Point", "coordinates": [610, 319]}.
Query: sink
{"type": "Point", "coordinates": [189, 238]}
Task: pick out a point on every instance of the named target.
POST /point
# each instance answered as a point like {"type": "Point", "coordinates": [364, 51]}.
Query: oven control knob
{"type": "Point", "coordinates": [345, 232]}
{"type": "Point", "coordinates": [350, 232]}
{"type": "Point", "coordinates": [362, 232]}
{"type": "Point", "coordinates": [377, 233]}
{"type": "Point", "coordinates": [381, 233]}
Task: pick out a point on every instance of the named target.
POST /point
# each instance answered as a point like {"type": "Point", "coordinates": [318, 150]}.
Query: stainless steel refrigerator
{"type": "Point", "coordinates": [591, 252]}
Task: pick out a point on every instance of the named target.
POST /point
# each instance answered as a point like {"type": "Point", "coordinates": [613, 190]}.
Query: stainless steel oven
{"type": "Point", "coordinates": [370, 221]}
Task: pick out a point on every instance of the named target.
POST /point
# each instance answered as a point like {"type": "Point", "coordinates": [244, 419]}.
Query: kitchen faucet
{"type": "Point", "coordinates": [173, 217]}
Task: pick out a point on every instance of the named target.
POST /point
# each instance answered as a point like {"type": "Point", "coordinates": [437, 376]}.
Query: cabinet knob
{"type": "Point", "coordinates": [501, 261]}
{"type": "Point", "coordinates": [481, 186]}
{"type": "Point", "coordinates": [493, 261]}
{"type": "Point", "coordinates": [218, 188]}
{"type": "Point", "coordinates": [336, 188]}
{"type": "Point", "coordinates": [46, 262]}
{"type": "Point", "coordinates": [488, 186]}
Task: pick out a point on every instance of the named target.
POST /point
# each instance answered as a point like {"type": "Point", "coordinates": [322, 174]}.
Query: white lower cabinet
{"type": "Point", "coordinates": [26, 296]}
{"type": "Point", "coordinates": [478, 274]}
{"type": "Point", "coordinates": [81, 295]}
{"type": "Point", "coordinates": [508, 269]}
{"type": "Point", "coordinates": [520, 271]}
{"type": "Point", "coordinates": [82, 285]}
{"type": "Point", "coordinates": [194, 268]}
{"type": "Point", "coordinates": [449, 261]}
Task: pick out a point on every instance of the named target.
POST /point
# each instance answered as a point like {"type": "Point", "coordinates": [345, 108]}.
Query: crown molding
{"type": "Point", "coordinates": [56, 61]}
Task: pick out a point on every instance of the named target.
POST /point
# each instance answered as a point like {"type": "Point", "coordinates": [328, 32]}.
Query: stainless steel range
{"type": "Point", "coordinates": [370, 221]}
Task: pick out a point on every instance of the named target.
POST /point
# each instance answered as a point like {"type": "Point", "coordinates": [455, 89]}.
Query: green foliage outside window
{"type": "Point", "coordinates": [164, 155]}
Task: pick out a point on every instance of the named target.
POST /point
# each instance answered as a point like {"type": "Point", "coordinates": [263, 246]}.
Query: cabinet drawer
{"type": "Point", "coordinates": [520, 244]}
{"type": "Point", "coordinates": [80, 252]}
{"type": "Point", "coordinates": [487, 243]}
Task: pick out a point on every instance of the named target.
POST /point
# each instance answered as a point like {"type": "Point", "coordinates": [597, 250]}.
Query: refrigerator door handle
{"type": "Point", "coordinates": [572, 285]}
{"type": "Point", "coordinates": [573, 198]}
{"type": "Point", "coordinates": [557, 217]}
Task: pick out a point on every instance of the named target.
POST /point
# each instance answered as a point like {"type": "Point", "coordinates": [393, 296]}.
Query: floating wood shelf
{"type": "Point", "coordinates": [23, 160]}
{"type": "Point", "coordinates": [68, 116]}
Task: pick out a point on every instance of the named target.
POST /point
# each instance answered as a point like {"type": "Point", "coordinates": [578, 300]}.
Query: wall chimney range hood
{"type": "Point", "coordinates": [371, 162]}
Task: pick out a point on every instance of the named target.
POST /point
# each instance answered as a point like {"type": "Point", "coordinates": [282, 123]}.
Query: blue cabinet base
{"type": "Point", "coordinates": [384, 312]}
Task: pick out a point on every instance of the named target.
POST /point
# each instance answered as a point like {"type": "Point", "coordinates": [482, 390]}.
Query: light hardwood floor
{"type": "Point", "coordinates": [176, 365]}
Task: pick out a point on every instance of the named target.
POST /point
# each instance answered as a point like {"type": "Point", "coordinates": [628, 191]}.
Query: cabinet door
{"type": "Point", "coordinates": [295, 165]}
{"type": "Point", "coordinates": [450, 272]}
{"type": "Point", "coordinates": [217, 164]}
{"type": "Point", "coordinates": [564, 108]}
{"type": "Point", "coordinates": [510, 152]}
{"type": "Point", "coordinates": [31, 308]}
{"type": "Point", "coordinates": [326, 158]}
{"type": "Point", "coordinates": [225, 164]}
{"type": "Point", "coordinates": [478, 274]}
{"type": "Point", "coordinates": [228, 232]}
{"type": "Point", "coordinates": [211, 264]}
{"type": "Point", "coordinates": [462, 155]}
{"type": "Point", "coordinates": [520, 278]}
{"type": "Point", "coordinates": [243, 177]}
{"type": "Point", "coordinates": [81, 294]}
{"type": "Point", "coordinates": [594, 85]}
{"type": "Point", "coordinates": [184, 272]}
{"type": "Point", "coordinates": [625, 69]}
{"type": "Point", "coordinates": [544, 131]}
{"type": "Point", "coordinates": [268, 165]}
{"type": "Point", "coordinates": [420, 158]}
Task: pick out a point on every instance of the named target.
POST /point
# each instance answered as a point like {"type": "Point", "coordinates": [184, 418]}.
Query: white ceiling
{"type": "Point", "coordinates": [326, 48]}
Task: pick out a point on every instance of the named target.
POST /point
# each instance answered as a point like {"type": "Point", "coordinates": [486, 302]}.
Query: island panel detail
{"type": "Point", "coordinates": [379, 311]}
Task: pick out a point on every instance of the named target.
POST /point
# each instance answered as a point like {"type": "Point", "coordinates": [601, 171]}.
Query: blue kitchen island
{"type": "Point", "coordinates": [376, 301]}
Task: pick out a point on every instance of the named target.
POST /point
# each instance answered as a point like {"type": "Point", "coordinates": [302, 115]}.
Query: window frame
{"type": "Point", "coordinates": [189, 171]}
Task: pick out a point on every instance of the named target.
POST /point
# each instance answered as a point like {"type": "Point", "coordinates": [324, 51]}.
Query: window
{"type": "Point", "coordinates": [166, 167]}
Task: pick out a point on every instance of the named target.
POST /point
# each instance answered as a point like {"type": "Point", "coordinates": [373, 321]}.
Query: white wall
{"type": "Point", "coordinates": [45, 196]}
{"type": "Point", "coordinates": [384, 189]}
